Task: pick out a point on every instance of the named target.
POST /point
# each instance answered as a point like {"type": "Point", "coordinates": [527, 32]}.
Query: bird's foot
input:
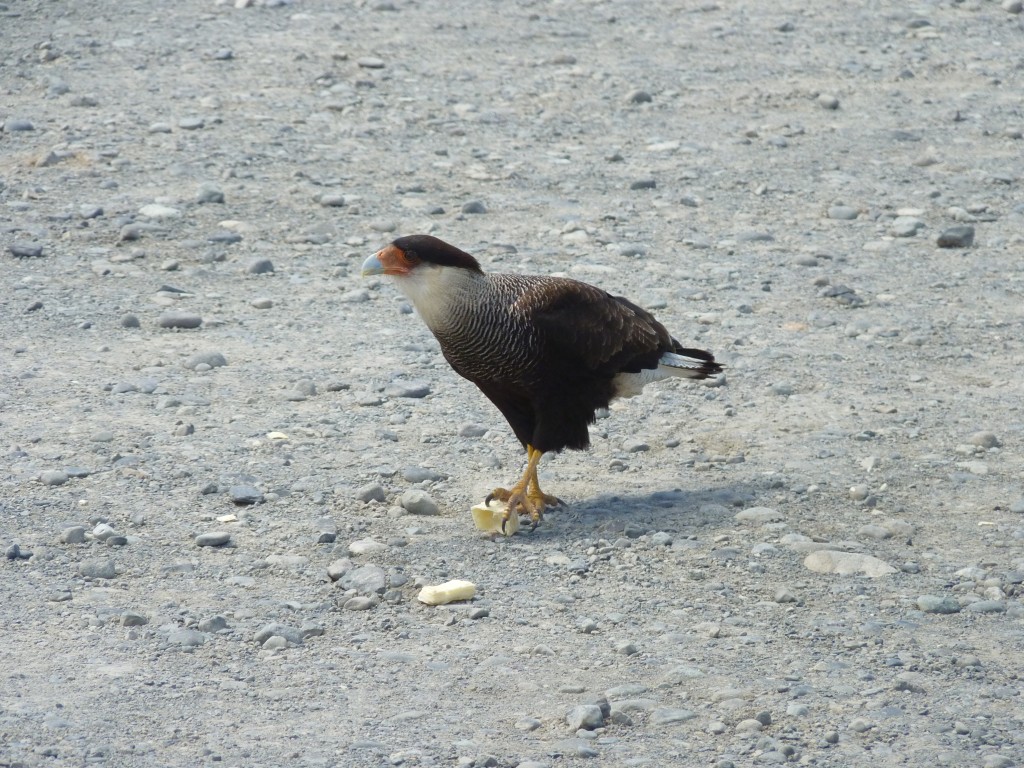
{"type": "Point", "coordinates": [530, 502]}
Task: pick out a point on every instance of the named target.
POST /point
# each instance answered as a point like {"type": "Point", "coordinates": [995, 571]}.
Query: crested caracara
{"type": "Point", "coordinates": [547, 351]}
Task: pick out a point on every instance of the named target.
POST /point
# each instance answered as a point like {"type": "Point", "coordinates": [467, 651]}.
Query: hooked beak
{"type": "Point", "coordinates": [373, 266]}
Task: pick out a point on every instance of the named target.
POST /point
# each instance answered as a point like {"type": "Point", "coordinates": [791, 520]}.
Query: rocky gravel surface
{"type": "Point", "coordinates": [230, 464]}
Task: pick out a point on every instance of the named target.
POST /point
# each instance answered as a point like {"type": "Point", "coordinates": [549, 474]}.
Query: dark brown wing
{"type": "Point", "coordinates": [587, 330]}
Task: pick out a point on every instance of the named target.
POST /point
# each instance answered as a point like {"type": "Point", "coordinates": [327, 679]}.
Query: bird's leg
{"type": "Point", "coordinates": [525, 495]}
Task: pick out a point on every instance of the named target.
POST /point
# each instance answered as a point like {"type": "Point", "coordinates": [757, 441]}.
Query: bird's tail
{"type": "Point", "coordinates": [689, 363]}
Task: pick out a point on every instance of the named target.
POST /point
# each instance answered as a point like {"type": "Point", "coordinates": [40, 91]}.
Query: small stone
{"type": "Point", "coordinates": [417, 502]}
{"type": "Point", "coordinates": [175, 319]}
{"type": "Point", "coordinates": [587, 717]}
{"type": "Point", "coordinates": [472, 430]}
{"type": "Point", "coordinates": [411, 389]}
{"type": "Point", "coordinates": [209, 193]}
{"type": "Point", "coordinates": [906, 226]}
{"type": "Point", "coordinates": [861, 724]}
{"type": "Point", "coordinates": [187, 638]}
{"type": "Point", "coordinates": [245, 494]}
{"type": "Point", "coordinates": [275, 643]}
{"type": "Point", "coordinates": [157, 211]}
{"type": "Point", "coordinates": [25, 250]}
{"type": "Point", "coordinates": [759, 515]}
{"type": "Point", "coordinates": [213, 539]}
{"type": "Point", "coordinates": [785, 595]}
{"type": "Point", "coordinates": [960, 236]}
{"type": "Point", "coordinates": [828, 101]}
{"type": "Point", "coordinates": [53, 477]}
{"type": "Point", "coordinates": [191, 123]}
{"type": "Point", "coordinates": [213, 624]}
{"type": "Point", "coordinates": [132, 619]}
{"type": "Point", "coordinates": [223, 54]}
{"type": "Point", "coordinates": [74, 534]}
{"type": "Point", "coordinates": [938, 604]}
{"type": "Point", "coordinates": [986, 606]}
{"type": "Point", "coordinates": [370, 62]}
{"type": "Point", "coordinates": [361, 603]}
{"type": "Point", "coordinates": [366, 579]}
{"type": "Point", "coordinates": [643, 184]}
{"type": "Point", "coordinates": [1017, 507]}
{"type": "Point", "coordinates": [99, 568]}
{"type": "Point", "coordinates": [262, 303]}
{"type": "Point", "coordinates": [997, 760]}
{"type": "Point", "coordinates": [288, 633]}
{"type": "Point", "coordinates": [260, 267]}
{"type": "Point", "coordinates": [130, 321]}
{"type": "Point", "coordinates": [474, 206]}
{"type": "Point", "coordinates": [366, 546]}
{"type": "Point", "coordinates": [103, 531]}
{"type": "Point", "coordinates": [846, 563]}
{"type": "Point", "coordinates": [160, 128]}
{"type": "Point", "coordinates": [339, 568]}
{"type": "Point", "coordinates": [13, 124]}
{"type": "Point", "coordinates": [371, 492]}
{"type": "Point", "coordinates": [626, 649]}
{"type": "Point", "coordinates": [639, 97]}
{"type": "Point", "coordinates": [671, 716]}
{"type": "Point", "coordinates": [859, 492]}
{"type": "Point", "coordinates": [843, 212]}
{"type": "Point", "coordinates": [985, 439]}
{"type": "Point", "coordinates": [332, 201]}
{"type": "Point", "coordinates": [209, 359]}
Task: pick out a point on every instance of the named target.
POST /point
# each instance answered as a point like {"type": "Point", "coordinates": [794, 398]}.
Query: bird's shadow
{"type": "Point", "coordinates": [674, 511]}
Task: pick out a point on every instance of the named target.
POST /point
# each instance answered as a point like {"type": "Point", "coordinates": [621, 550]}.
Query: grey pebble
{"type": "Point", "coordinates": [209, 192]}
{"type": "Point", "coordinates": [366, 579]}
{"type": "Point", "coordinates": [339, 568]}
{"type": "Point", "coordinates": [133, 619]}
{"type": "Point", "coordinates": [828, 101]}
{"type": "Point", "coordinates": [420, 474]}
{"type": "Point", "coordinates": [370, 62]}
{"type": "Point", "coordinates": [74, 534]}
{"type": "Point", "coordinates": [245, 494]}
{"type": "Point", "coordinates": [474, 206]}
{"type": "Point", "coordinates": [213, 539]}
{"type": "Point", "coordinates": [15, 552]}
{"type": "Point", "coordinates": [191, 123]}
{"type": "Point", "coordinates": [417, 502]}
{"type": "Point", "coordinates": [472, 430]}
{"type": "Point", "coordinates": [411, 389]}
{"type": "Point", "coordinates": [223, 54]}
{"type": "Point", "coordinates": [759, 515]}
{"type": "Point", "coordinates": [643, 184]}
{"type": "Point", "coordinates": [985, 439]}
{"type": "Point", "coordinates": [103, 531]}
{"type": "Point", "coordinates": [906, 226]}
{"type": "Point", "coordinates": [938, 604]}
{"type": "Point", "coordinates": [260, 267]}
{"type": "Point", "coordinates": [274, 629]}
{"type": "Point", "coordinates": [187, 638]}
{"type": "Point", "coordinates": [262, 303]}
{"type": "Point", "coordinates": [160, 128]}
{"type": "Point", "coordinates": [639, 97]}
{"type": "Point", "coordinates": [98, 568]}
{"type": "Point", "coordinates": [960, 236]}
{"type": "Point", "coordinates": [633, 445]}
{"type": "Point", "coordinates": [584, 716]}
{"type": "Point", "coordinates": [25, 250]}
{"type": "Point", "coordinates": [177, 319]}
{"type": "Point", "coordinates": [785, 595]}
{"type": "Point", "coordinates": [671, 716]}
{"type": "Point", "coordinates": [275, 643]}
{"type": "Point", "coordinates": [626, 649]}
{"type": "Point", "coordinates": [371, 492]}
{"type": "Point", "coordinates": [213, 624]}
{"type": "Point", "coordinates": [129, 320]}
{"type": "Point", "coordinates": [361, 603]}
{"type": "Point", "coordinates": [996, 760]}
{"type": "Point", "coordinates": [1017, 507]}
{"type": "Point", "coordinates": [332, 201]}
{"type": "Point", "coordinates": [209, 359]}
{"type": "Point", "coordinates": [986, 606]}
{"type": "Point", "coordinates": [102, 436]}
{"type": "Point", "coordinates": [843, 212]}
{"type": "Point", "coordinates": [12, 124]}
{"type": "Point", "coordinates": [53, 477]}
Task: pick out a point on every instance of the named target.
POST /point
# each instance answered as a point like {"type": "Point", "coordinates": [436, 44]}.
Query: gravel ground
{"type": "Point", "coordinates": [230, 463]}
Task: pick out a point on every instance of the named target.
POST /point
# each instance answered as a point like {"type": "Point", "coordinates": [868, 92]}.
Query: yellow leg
{"type": "Point", "coordinates": [526, 495]}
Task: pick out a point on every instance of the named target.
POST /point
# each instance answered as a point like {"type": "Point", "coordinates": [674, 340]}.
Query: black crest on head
{"type": "Point", "coordinates": [435, 251]}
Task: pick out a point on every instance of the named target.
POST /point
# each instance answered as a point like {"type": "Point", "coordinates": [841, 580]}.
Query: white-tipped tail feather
{"type": "Point", "coordinates": [681, 365]}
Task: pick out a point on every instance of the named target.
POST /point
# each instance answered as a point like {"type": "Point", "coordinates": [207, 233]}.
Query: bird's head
{"type": "Point", "coordinates": [413, 254]}
{"type": "Point", "coordinates": [429, 271]}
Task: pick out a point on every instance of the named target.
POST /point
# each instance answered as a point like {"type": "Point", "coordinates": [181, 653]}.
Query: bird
{"type": "Point", "coordinates": [547, 351]}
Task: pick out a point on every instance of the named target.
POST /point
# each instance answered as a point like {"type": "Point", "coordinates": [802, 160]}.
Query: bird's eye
{"type": "Point", "coordinates": [408, 257]}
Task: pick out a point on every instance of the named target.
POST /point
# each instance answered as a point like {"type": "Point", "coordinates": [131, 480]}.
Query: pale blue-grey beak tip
{"type": "Point", "coordinates": [372, 266]}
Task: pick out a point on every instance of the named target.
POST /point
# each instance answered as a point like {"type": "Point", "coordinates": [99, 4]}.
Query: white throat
{"type": "Point", "coordinates": [435, 290]}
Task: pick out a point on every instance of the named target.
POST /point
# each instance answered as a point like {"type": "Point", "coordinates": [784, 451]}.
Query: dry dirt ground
{"type": "Point", "coordinates": [818, 559]}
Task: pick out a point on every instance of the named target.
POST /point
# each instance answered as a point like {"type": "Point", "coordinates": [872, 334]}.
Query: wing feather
{"type": "Point", "coordinates": [584, 327]}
